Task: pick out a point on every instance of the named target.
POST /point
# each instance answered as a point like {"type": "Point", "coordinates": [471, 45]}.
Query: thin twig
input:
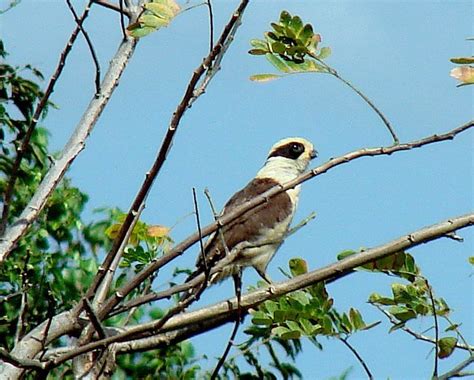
{"type": "Point", "coordinates": [198, 223]}
{"type": "Point", "coordinates": [211, 25]}
{"type": "Point", "coordinates": [94, 320]}
{"type": "Point", "coordinates": [435, 318]}
{"type": "Point", "coordinates": [416, 335]}
{"type": "Point", "coordinates": [104, 287]}
{"type": "Point", "coordinates": [229, 30]}
{"type": "Point", "coordinates": [89, 44]}
{"type": "Point", "coordinates": [227, 218]}
{"type": "Point", "coordinates": [21, 150]}
{"type": "Point", "coordinates": [333, 72]}
{"type": "Point", "coordinates": [25, 284]}
{"type": "Point", "coordinates": [359, 358]}
{"type": "Point", "coordinates": [230, 343]}
{"type": "Point", "coordinates": [301, 224]}
{"type": "Point", "coordinates": [122, 20]}
{"type": "Point", "coordinates": [456, 371]}
{"type": "Point", "coordinates": [114, 7]}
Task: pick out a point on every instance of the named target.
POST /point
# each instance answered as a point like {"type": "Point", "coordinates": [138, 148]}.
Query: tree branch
{"type": "Point", "coordinates": [71, 150]}
{"type": "Point", "coordinates": [7, 196]}
{"type": "Point", "coordinates": [89, 45]}
{"type": "Point", "coordinates": [114, 7]}
{"type": "Point", "coordinates": [180, 248]}
{"type": "Point", "coordinates": [188, 97]}
{"type": "Point", "coordinates": [183, 326]}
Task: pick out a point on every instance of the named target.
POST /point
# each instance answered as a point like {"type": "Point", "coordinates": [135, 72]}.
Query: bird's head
{"type": "Point", "coordinates": [288, 158]}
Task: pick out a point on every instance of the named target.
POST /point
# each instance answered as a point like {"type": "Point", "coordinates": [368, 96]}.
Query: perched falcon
{"type": "Point", "coordinates": [253, 238]}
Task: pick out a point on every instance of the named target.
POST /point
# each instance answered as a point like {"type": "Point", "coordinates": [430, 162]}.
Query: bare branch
{"type": "Point", "coordinates": [211, 25]}
{"type": "Point", "coordinates": [416, 335]}
{"type": "Point", "coordinates": [238, 293]}
{"type": "Point", "coordinates": [229, 30]}
{"type": "Point", "coordinates": [93, 318]}
{"type": "Point", "coordinates": [7, 196]}
{"type": "Point", "coordinates": [71, 150]}
{"type": "Point", "coordinates": [334, 73]}
{"type": "Point", "coordinates": [114, 7]}
{"type": "Point", "coordinates": [89, 44]}
{"type": "Point", "coordinates": [20, 363]}
{"type": "Point", "coordinates": [180, 248]}
{"type": "Point", "coordinates": [104, 287]}
{"type": "Point", "coordinates": [185, 325]}
{"type": "Point", "coordinates": [456, 371]}
{"type": "Point", "coordinates": [359, 358]}
{"type": "Point", "coordinates": [435, 318]}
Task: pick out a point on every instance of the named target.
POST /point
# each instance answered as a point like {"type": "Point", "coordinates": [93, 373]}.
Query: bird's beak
{"type": "Point", "coordinates": [313, 154]}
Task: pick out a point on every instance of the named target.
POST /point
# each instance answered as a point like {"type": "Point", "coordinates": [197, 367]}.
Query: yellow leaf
{"type": "Point", "coordinates": [158, 231]}
{"type": "Point", "coordinates": [465, 74]}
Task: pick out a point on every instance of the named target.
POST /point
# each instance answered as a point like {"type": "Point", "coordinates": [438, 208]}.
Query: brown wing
{"type": "Point", "coordinates": [248, 226]}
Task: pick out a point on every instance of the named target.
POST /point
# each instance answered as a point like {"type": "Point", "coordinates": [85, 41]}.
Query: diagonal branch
{"type": "Point", "coordinates": [8, 194]}
{"type": "Point", "coordinates": [189, 96]}
{"type": "Point", "coordinates": [89, 45]}
{"type": "Point", "coordinates": [185, 325]}
{"type": "Point", "coordinates": [180, 248]}
{"type": "Point", "coordinates": [71, 150]}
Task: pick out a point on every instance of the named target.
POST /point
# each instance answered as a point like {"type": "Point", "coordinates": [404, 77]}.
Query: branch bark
{"type": "Point", "coordinates": [190, 95]}
{"type": "Point", "coordinates": [183, 326]}
{"type": "Point", "coordinates": [71, 150]}
{"type": "Point", "coordinates": [180, 248]}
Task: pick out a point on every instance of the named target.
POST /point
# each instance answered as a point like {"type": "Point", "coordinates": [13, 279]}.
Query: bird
{"type": "Point", "coordinates": [253, 238]}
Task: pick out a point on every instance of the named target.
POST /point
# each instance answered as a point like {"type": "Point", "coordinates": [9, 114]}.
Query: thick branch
{"type": "Point", "coordinates": [180, 248]}
{"type": "Point", "coordinates": [73, 147]}
{"type": "Point", "coordinates": [188, 98]}
{"type": "Point", "coordinates": [196, 322]}
{"type": "Point", "coordinates": [8, 195]}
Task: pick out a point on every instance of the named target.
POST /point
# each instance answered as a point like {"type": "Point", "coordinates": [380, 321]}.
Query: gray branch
{"type": "Point", "coordinates": [71, 150]}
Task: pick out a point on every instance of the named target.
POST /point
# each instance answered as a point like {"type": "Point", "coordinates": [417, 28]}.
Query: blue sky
{"type": "Point", "coordinates": [397, 52]}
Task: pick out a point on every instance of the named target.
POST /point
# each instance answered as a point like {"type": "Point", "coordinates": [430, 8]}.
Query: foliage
{"type": "Point", "coordinates": [304, 313]}
{"type": "Point", "coordinates": [158, 13]}
{"type": "Point", "coordinates": [291, 47]}
{"type": "Point", "coordinates": [465, 72]}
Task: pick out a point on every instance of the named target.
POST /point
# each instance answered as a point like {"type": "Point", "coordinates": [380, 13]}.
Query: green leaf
{"type": "Point", "coordinates": [453, 327]}
{"type": "Point", "coordinates": [356, 319]}
{"type": "Point", "coordinates": [153, 21]}
{"type": "Point", "coordinates": [259, 44]}
{"type": "Point", "coordinates": [298, 266]}
{"type": "Point", "coordinates": [446, 346]}
{"type": "Point", "coordinates": [471, 260]}
{"type": "Point", "coordinates": [278, 63]}
{"type": "Point", "coordinates": [402, 313]}
{"type": "Point", "coordinates": [165, 9]}
{"type": "Point", "coordinates": [296, 25]}
{"type": "Point", "coordinates": [278, 47]}
{"type": "Point", "coordinates": [264, 77]}
{"type": "Point", "coordinates": [346, 253]}
{"type": "Point", "coordinates": [300, 297]}
{"type": "Point", "coordinates": [462, 60]}
{"type": "Point", "coordinates": [135, 30]}
{"type": "Point", "coordinates": [306, 34]}
{"type": "Point", "coordinates": [293, 326]}
{"type": "Point", "coordinates": [258, 51]}
{"type": "Point", "coordinates": [396, 327]}
{"type": "Point", "coordinates": [324, 52]}
{"type": "Point", "coordinates": [285, 18]}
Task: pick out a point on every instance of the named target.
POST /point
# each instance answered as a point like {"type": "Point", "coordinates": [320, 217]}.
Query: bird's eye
{"type": "Point", "coordinates": [297, 148]}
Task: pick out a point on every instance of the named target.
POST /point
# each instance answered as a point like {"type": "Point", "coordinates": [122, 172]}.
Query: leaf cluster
{"type": "Point", "coordinates": [304, 313]}
{"type": "Point", "coordinates": [156, 14]}
{"type": "Point", "coordinates": [291, 47]}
